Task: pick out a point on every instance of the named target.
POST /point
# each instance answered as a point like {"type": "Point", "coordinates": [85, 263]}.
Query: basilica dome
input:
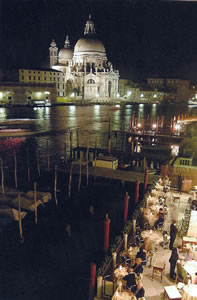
{"type": "Point", "coordinates": [66, 53]}
{"type": "Point", "coordinates": [89, 45]}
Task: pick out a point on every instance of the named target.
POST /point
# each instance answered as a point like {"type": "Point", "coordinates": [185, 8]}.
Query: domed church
{"type": "Point", "coordinates": [88, 73]}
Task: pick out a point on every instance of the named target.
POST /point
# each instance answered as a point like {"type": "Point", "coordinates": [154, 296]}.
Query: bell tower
{"type": "Point", "coordinates": [53, 53]}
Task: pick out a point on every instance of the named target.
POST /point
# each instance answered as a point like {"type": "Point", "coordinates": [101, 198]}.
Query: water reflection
{"type": "Point", "coordinates": [93, 122]}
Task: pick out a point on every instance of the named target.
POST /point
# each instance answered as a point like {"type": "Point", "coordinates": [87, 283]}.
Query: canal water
{"type": "Point", "coordinates": [53, 261]}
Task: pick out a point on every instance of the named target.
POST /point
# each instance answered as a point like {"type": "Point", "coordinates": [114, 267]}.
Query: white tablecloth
{"type": "Point", "coordinates": [120, 272]}
{"type": "Point", "coordinates": [190, 292]}
{"type": "Point", "coordinates": [121, 296]}
{"type": "Point", "coordinates": [155, 237]}
{"type": "Point", "coordinates": [190, 267]}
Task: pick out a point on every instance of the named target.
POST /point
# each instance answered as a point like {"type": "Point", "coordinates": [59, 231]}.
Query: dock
{"type": "Point", "coordinates": [122, 175]}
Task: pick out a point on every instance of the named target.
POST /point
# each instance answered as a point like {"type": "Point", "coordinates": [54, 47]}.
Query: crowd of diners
{"type": "Point", "coordinates": [132, 282]}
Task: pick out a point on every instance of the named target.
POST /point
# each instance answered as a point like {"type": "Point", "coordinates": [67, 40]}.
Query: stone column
{"type": "Point", "coordinates": [114, 255]}
{"type": "Point", "coordinates": [99, 286]}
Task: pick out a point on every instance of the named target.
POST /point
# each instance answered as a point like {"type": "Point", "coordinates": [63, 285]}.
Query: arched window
{"type": "Point", "coordinates": [90, 81]}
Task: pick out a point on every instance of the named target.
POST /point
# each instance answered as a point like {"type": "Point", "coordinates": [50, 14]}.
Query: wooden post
{"type": "Point", "coordinates": [95, 168]}
{"type": "Point", "coordinates": [48, 162]}
{"type": "Point", "coordinates": [28, 166]}
{"type": "Point", "coordinates": [35, 200]}
{"type": "Point", "coordinates": [71, 143]}
{"type": "Point", "coordinates": [145, 180]}
{"type": "Point", "coordinates": [70, 180]}
{"type": "Point", "coordinates": [38, 163]}
{"type": "Point", "coordinates": [65, 154]}
{"type": "Point", "coordinates": [92, 281]}
{"type": "Point", "coordinates": [109, 137]}
{"type": "Point", "coordinates": [78, 152]}
{"type": "Point", "coordinates": [2, 177]}
{"type": "Point", "coordinates": [106, 233]}
{"type": "Point", "coordinates": [19, 217]}
{"type": "Point", "coordinates": [55, 185]}
{"type": "Point", "coordinates": [126, 206]}
{"type": "Point", "coordinates": [15, 168]}
{"type": "Point", "coordinates": [95, 148]}
{"type": "Point", "coordinates": [79, 184]}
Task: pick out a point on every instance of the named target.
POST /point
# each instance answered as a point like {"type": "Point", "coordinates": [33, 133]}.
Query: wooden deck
{"type": "Point", "coordinates": [121, 175]}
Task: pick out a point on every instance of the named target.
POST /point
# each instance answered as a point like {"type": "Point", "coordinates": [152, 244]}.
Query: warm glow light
{"type": "Point", "coordinates": [139, 125]}
{"type": "Point", "coordinates": [155, 96]}
{"type": "Point", "coordinates": [177, 126]}
{"type": "Point", "coordinates": [118, 95]}
{"type": "Point", "coordinates": [142, 95]}
{"type": "Point", "coordinates": [47, 93]}
{"type": "Point", "coordinates": [117, 105]}
{"type": "Point", "coordinates": [154, 126]}
{"type": "Point", "coordinates": [1, 95]}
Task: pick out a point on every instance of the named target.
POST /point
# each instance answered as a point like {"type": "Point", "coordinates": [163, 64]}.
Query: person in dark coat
{"type": "Point", "coordinates": [142, 254]}
{"type": "Point", "coordinates": [173, 233]}
{"type": "Point", "coordinates": [130, 279]}
{"type": "Point", "coordinates": [173, 260]}
{"type": "Point", "coordinates": [138, 291]}
{"type": "Point", "coordinates": [137, 267]}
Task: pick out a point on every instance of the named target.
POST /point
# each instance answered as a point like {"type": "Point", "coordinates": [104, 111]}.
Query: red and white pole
{"type": "Point", "coordinates": [92, 280]}
{"type": "Point", "coordinates": [126, 206]}
{"type": "Point", "coordinates": [106, 233]}
{"type": "Point", "coordinates": [137, 191]}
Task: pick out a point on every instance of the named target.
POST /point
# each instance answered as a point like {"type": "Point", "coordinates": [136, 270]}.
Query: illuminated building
{"type": "Point", "coordinates": [87, 72]}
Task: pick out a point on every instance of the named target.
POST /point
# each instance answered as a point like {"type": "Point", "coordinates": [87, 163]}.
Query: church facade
{"type": "Point", "coordinates": [88, 75]}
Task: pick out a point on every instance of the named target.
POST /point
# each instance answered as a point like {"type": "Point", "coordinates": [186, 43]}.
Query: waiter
{"type": "Point", "coordinates": [173, 233]}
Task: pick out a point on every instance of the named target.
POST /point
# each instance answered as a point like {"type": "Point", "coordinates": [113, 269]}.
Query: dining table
{"type": "Point", "coordinates": [190, 292]}
{"type": "Point", "coordinates": [124, 295]}
{"type": "Point", "coordinates": [153, 235]}
{"type": "Point", "coordinates": [120, 272]}
{"type": "Point", "coordinates": [191, 268]}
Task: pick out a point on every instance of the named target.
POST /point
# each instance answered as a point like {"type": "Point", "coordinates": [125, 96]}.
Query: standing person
{"type": "Point", "coordinates": [173, 233]}
{"type": "Point", "coordinates": [173, 260]}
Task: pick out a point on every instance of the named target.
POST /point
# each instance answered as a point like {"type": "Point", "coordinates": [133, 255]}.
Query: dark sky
{"type": "Point", "coordinates": [141, 38]}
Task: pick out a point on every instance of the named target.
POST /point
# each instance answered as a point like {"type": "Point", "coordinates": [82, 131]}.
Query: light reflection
{"type": "Point", "coordinates": [97, 109]}
{"type": "Point", "coordinates": [3, 113]}
{"type": "Point", "coordinates": [72, 108]}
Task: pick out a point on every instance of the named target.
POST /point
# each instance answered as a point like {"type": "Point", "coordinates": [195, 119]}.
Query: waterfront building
{"type": "Point", "coordinates": [178, 89]}
{"type": "Point", "coordinates": [88, 75]}
{"type": "Point", "coordinates": [44, 76]}
{"type": "Point", "coordinates": [16, 93]}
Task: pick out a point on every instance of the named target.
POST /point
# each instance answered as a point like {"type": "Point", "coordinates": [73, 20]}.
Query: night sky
{"type": "Point", "coordinates": [142, 38]}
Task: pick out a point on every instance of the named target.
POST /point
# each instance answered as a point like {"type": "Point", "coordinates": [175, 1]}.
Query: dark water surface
{"type": "Point", "coordinates": [49, 264]}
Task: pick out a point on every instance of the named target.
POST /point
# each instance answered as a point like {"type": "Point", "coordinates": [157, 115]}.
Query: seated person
{"type": "Point", "coordinates": [148, 246]}
{"type": "Point", "coordinates": [160, 219]}
{"type": "Point", "coordinates": [138, 291]}
{"type": "Point", "coordinates": [188, 255]}
{"type": "Point", "coordinates": [142, 254]}
{"type": "Point", "coordinates": [130, 279]}
{"type": "Point", "coordinates": [137, 267]}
